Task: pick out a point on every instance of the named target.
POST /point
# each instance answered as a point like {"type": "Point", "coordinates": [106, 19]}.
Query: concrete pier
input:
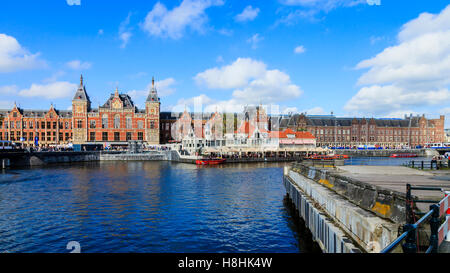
{"type": "Point", "coordinates": [383, 153]}
{"type": "Point", "coordinates": [366, 203]}
{"type": "Point", "coordinates": [148, 156]}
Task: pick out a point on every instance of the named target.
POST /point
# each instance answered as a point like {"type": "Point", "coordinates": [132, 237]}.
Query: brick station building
{"type": "Point", "coordinates": [334, 131]}
{"type": "Point", "coordinates": [116, 122]}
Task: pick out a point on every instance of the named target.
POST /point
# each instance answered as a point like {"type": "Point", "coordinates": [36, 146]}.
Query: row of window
{"type": "Point", "coordinates": [30, 136]}
{"type": "Point", "coordinates": [373, 139]}
{"type": "Point", "coordinates": [37, 124]}
{"type": "Point", "coordinates": [104, 125]}
{"type": "Point", "coordinates": [363, 132]}
{"type": "Point", "coordinates": [105, 136]}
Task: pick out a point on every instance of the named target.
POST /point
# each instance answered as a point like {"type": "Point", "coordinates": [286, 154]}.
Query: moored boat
{"type": "Point", "coordinates": [403, 155]}
{"type": "Point", "coordinates": [209, 161]}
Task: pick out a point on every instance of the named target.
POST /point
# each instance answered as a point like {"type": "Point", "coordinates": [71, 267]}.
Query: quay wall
{"type": "Point", "coordinates": [380, 153]}
{"type": "Point", "coordinates": [364, 228]}
{"type": "Point", "coordinates": [43, 158]}
{"type": "Point", "coordinates": [325, 233]}
{"type": "Point", "coordinates": [384, 203]}
{"type": "Point", "coordinates": [149, 156]}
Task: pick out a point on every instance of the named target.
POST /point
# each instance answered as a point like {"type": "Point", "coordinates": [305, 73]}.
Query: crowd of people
{"type": "Point", "coordinates": [441, 161]}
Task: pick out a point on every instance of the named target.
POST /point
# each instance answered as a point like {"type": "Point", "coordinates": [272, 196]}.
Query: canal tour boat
{"type": "Point", "coordinates": [403, 155]}
{"type": "Point", "coordinates": [209, 161]}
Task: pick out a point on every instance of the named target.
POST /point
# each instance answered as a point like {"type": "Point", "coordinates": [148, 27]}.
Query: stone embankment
{"type": "Point", "coordinates": [343, 214]}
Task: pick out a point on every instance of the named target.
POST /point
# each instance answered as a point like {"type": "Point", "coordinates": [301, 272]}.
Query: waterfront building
{"type": "Point", "coordinates": [254, 128]}
{"type": "Point", "coordinates": [48, 128]}
{"type": "Point", "coordinates": [332, 131]}
{"type": "Point", "coordinates": [245, 131]}
{"type": "Point", "coordinates": [114, 123]}
{"type": "Point", "coordinates": [118, 121]}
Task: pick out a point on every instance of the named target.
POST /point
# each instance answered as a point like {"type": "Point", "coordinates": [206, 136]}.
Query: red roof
{"type": "Point", "coordinates": [245, 128]}
{"type": "Point", "coordinates": [285, 133]}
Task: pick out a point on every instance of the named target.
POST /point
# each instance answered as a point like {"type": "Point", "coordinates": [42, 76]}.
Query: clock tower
{"type": "Point", "coordinates": [81, 104]}
{"type": "Point", "coordinates": [152, 107]}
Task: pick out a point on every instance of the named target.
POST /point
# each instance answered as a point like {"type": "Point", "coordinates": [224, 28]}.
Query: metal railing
{"type": "Point", "coordinates": [428, 165]}
{"type": "Point", "coordinates": [410, 229]}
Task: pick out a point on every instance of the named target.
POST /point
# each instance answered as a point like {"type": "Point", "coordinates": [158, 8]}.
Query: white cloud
{"type": "Point", "coordinates": [325, 4]}
{"type": "Point", "coordinates": [73, 2]}
{"type": "Point", "coordinates": [164, 88]}
{"type": "Point", "coordinates": [8, 90]}
{"type": "Point", "coordinates": [78, 65]}
{"type": "Point", "coordinates": [235, 75]}
{"type": "Point", "coordinates": [251, 81]}
{"type": "Point", "coordinates": [425, 23]}
{"type": "Point", "coordinates": [125, 32]}
{"type": "Point", "coordinates": [162, 22]}
{"type": "Point", "coordinates": [248, 14]}
{"type": "Point", "coordinates": [289, 110]}
{"type": "Point", "coordinates": [374, 2]}
{"type": "Point", "coordinates": [254, 40]}
{"type": "Point", "coordinates": [125, 37]}
{"type": "Point", "coordinates": [401, 114]}
{"type": "Point", "coordinates": [14, 57]}
{"type": "Point", "coordinates": [55, 90]}
{"type": "Point", "coordinates": [54, 77]}
{"type": "Point", "coordinates": [101, 32]}
{"type": "Point", "coordinates": [299, 49]}
{"type": "Point", "coordinates": [414, 72]}
{"type": "Point", "coordinates": [311, 9]}
{"type": "Point", "coordinates": [378, 99]}
{"type": "Point", "coordinates": [315, 111]}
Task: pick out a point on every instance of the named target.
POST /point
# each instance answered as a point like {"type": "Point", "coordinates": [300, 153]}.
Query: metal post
{"type": "Point", "coordinates": [410, 245]}
{"type": "Point", "coordinates": [409, 218]}
{"type": "Point", "coordinates": [434, 227]}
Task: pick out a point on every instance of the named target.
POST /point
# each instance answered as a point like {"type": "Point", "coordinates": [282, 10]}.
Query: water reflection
{"type": "Point", "coordinates": [146, 207]}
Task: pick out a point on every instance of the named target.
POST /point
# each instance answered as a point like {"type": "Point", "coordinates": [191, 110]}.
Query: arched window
{"type": "Point", "coordinates": [105, 121]}
{"type": "Point", "coordinates": [129, 123]}
{"type": "Point", "coordinates": [117, 122]}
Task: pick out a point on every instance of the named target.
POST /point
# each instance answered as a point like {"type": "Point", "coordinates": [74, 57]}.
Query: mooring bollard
{"type": "Point", "coordinates": [410, 245]}
{"type": "Point", "coordinates": [434, 227]}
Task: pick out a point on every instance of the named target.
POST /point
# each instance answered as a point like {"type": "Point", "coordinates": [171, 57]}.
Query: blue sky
{"type": "Point", "coordinates": [354, 57]}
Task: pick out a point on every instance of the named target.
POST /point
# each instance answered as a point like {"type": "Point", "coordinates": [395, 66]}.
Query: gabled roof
{"type": "Point", "coordinates": [245, 128]}
{"type": "Point", "coordinates": [124, 98]}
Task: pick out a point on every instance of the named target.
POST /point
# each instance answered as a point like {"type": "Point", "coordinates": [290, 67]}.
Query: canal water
{"type": "Point", "coordinates": [148, 207]}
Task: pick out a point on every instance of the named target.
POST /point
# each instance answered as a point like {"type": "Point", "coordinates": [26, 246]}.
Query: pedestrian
{"type": "Point", "coordinates": [434, 161]}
